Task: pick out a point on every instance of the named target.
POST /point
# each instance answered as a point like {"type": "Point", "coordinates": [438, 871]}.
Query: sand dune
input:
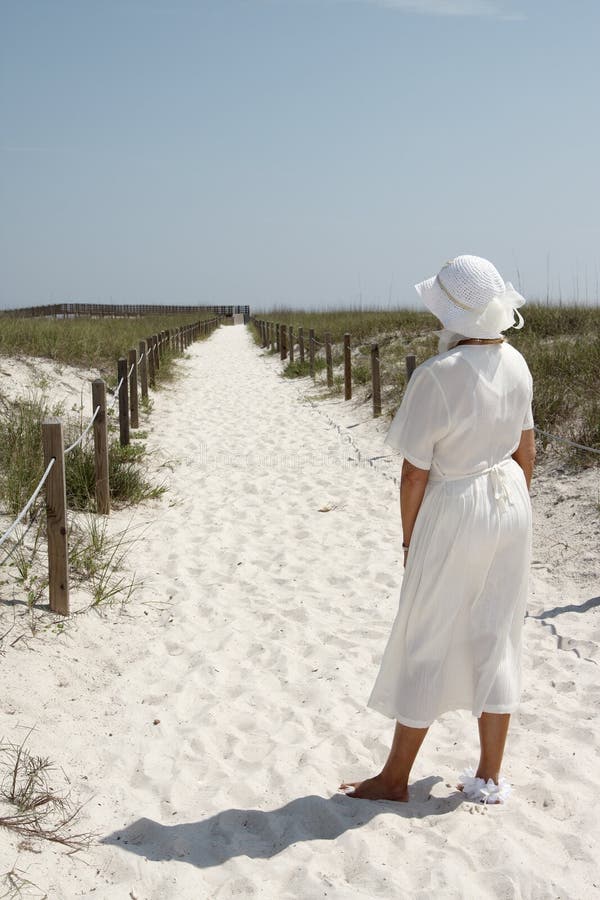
{"type": "Point", "coordinates": [271, 572]}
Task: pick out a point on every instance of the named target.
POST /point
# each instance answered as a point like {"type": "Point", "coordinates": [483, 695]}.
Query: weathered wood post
{"type": "Point", "coordinates": [283, 342]}
{"type": "Point", "coordinates": [301, 343]}
{"type": "Point", "coordinates": [375, 380]}
{"type": "Point", "coordinates": [277, 337]}
{"type": "Point", "coordinates": [155, 353]}
{"type": "Point", "coordinates": [272, 332]}
{"type": "Point", "coordinates": [123, 404]}
{"type": "Point", "coordinates": [291, 342]}
{"type": "Point", "coordinates": [328, 359]}
{"type": "Point", "coordinates": [347, 368]}
{"type": "Point", "coordinates": [143, 370]}
{"type": "Point", "coordinates": [101, 448]}
{"type": "Point", "coordinates": [150, 361]}
{"type": "Point", "coordinates": [311, 351]}
{"type": "Point", "coordinates": [133, 388]}
{"type": "Point", "coordinates": [56, 517]}
{"type": "Point", "coordinates": [411, 364]}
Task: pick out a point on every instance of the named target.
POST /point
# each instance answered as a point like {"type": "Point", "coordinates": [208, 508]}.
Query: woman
{"type": "Point", "coordinates": [465, 430]}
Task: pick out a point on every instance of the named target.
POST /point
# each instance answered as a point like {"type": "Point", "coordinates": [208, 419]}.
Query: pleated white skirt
{"type": "Point", "coordinates": [456, 639]}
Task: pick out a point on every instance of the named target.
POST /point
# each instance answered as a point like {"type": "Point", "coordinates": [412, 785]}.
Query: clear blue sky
{"type": "Point", "coordinates": [298, 152]}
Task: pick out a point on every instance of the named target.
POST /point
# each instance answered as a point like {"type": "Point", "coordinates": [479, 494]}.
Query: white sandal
{"type": "Point", "coordinates": [484, 792]}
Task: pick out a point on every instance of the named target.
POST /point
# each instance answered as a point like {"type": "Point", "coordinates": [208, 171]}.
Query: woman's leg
{"type": "Point", "coordinates": [392, 781]}
{"type": "Point", "coordinates": [493, 728]}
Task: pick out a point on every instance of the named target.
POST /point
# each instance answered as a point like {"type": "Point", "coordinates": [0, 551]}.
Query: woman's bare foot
{"type": "Point", "coordinates": [376, 788]}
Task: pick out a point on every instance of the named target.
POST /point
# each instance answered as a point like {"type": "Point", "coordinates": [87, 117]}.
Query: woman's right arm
{"type": "Point", "coordinates": [525, 454]}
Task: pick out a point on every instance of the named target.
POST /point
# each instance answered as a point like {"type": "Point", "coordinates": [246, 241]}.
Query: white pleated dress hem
{"type": "Point", "coordinates": [456, 639]}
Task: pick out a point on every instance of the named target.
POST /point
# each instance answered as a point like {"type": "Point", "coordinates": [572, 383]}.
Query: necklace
{"type": "Point", "coordinates": [481, 341]}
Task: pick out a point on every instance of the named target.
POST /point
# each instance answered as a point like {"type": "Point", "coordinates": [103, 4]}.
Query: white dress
{"type": "Point", "coordinates": [456, 639]}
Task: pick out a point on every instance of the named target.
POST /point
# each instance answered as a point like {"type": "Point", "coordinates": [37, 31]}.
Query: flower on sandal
{"type": "Point", "coordinates": [477, 789]}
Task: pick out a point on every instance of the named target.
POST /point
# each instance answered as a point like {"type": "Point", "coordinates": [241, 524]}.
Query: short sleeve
{"type": "Point", "coordinates": [421, 420]}
{"type": "Point", "coordinates": [528, 420]}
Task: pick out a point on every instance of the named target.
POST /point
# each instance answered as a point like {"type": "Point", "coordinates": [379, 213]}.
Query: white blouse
{"type": "Point", "coordinates": [464, 410]}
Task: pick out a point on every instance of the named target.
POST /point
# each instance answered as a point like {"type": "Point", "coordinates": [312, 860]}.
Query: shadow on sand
{"type": "Point", "coordinates": [571, 607]}
{"type": "Point", "coordinates": [261, 835]}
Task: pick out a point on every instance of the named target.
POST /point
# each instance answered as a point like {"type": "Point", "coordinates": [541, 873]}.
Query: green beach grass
{"type": "Point", "coordinates": [560, 343]}
{"type": "Point", "coordinates": [86, 341]}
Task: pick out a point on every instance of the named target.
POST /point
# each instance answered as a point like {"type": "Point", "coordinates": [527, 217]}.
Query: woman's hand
{"type": "Point", "coordinates": [525, 454]}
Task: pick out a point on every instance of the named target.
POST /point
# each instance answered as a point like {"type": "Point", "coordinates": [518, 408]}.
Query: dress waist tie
{"type": "Point", "coordinates": [498, 474]}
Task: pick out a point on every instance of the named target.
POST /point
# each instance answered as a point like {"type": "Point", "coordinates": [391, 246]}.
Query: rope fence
{"type": "Point", "coordinates": [145, 362]}
{"type": "Point", "coordinates": [29, 503]}
{"type": "Point", "coordinates": [279, 337]}
{"type": "Point", "coordinates": [83, 433]}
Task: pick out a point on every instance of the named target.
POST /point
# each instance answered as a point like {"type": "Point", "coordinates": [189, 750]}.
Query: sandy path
{"type": "Point", "coordinates": [255, 642]}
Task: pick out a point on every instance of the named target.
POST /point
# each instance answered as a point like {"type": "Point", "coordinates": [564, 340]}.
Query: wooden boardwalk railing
{"type": "Point", "coordinates": [111, 310]}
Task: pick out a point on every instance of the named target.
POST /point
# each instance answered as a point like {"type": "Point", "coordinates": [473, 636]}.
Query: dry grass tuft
{"type": "Point", "coordinates": [30, 806]}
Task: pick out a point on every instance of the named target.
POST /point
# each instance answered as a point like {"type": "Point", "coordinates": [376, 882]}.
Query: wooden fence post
{"type": "Point", "coordinates": [272, 333]}
{"type": "Point", "coordinates": [411, 364]}
{"type": "Point", "coordinates": [150, 360]}
{"type": "Point", "coordinates": [155, 353]}
{"type": "Point", "coordinates": [328, 359]}
{"type": "Point", "coordinates": [375, 380]}
{"type": "Point", "coordinates": [123, 404]}
{"type": "Point", "coordinates": [311, 351]}
{"type": "Point", "coordinates": [291, 342]}
{"type": "Point", "coordinates": [56, 517]}
{"type": "Point", "coordinates": [101, 448]}
{"type": "Point", "coordinates": [133, 388]}
{"type": "Point", "coordinates": [347, 368]}
{"type": "Point", "coordinates": [301, 343]}
{"type": "Point", "coordinates": [277, 337]}
{"type": "Point", "coordinates": [283, 342]}
{"type": "Point", "coordinates": [143, 370]}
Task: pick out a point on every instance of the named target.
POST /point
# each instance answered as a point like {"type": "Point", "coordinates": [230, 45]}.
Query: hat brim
{"type": "Point", "coordinates": [435, 300]}
{"type": "Point", "coordinates": [487, 322]}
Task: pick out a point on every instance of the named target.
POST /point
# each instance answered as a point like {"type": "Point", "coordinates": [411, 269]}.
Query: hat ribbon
{"type": "Point", "coordinates": [451, 298]}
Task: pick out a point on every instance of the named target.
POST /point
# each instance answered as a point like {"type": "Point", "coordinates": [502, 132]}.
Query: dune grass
{"type": "Point", "coordinates": [22, 466]}
{"type": "Point", "coordinates": [94, 343]}
{"type": "Point", "coordinates": [560, 343]}
{"type": "Point", "coordinates": [96, 557]}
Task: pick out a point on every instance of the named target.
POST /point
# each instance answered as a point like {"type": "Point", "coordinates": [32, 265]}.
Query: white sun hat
{"type": "Point", "coordinates": [471, 299]}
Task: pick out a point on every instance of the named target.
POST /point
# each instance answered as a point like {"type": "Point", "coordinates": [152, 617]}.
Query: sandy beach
{"type": "Point", "coordinates": [207, 726]}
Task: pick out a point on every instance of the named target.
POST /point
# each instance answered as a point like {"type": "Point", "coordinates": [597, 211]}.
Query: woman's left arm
{"type": "Point", "coordinates": [412, 490]}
